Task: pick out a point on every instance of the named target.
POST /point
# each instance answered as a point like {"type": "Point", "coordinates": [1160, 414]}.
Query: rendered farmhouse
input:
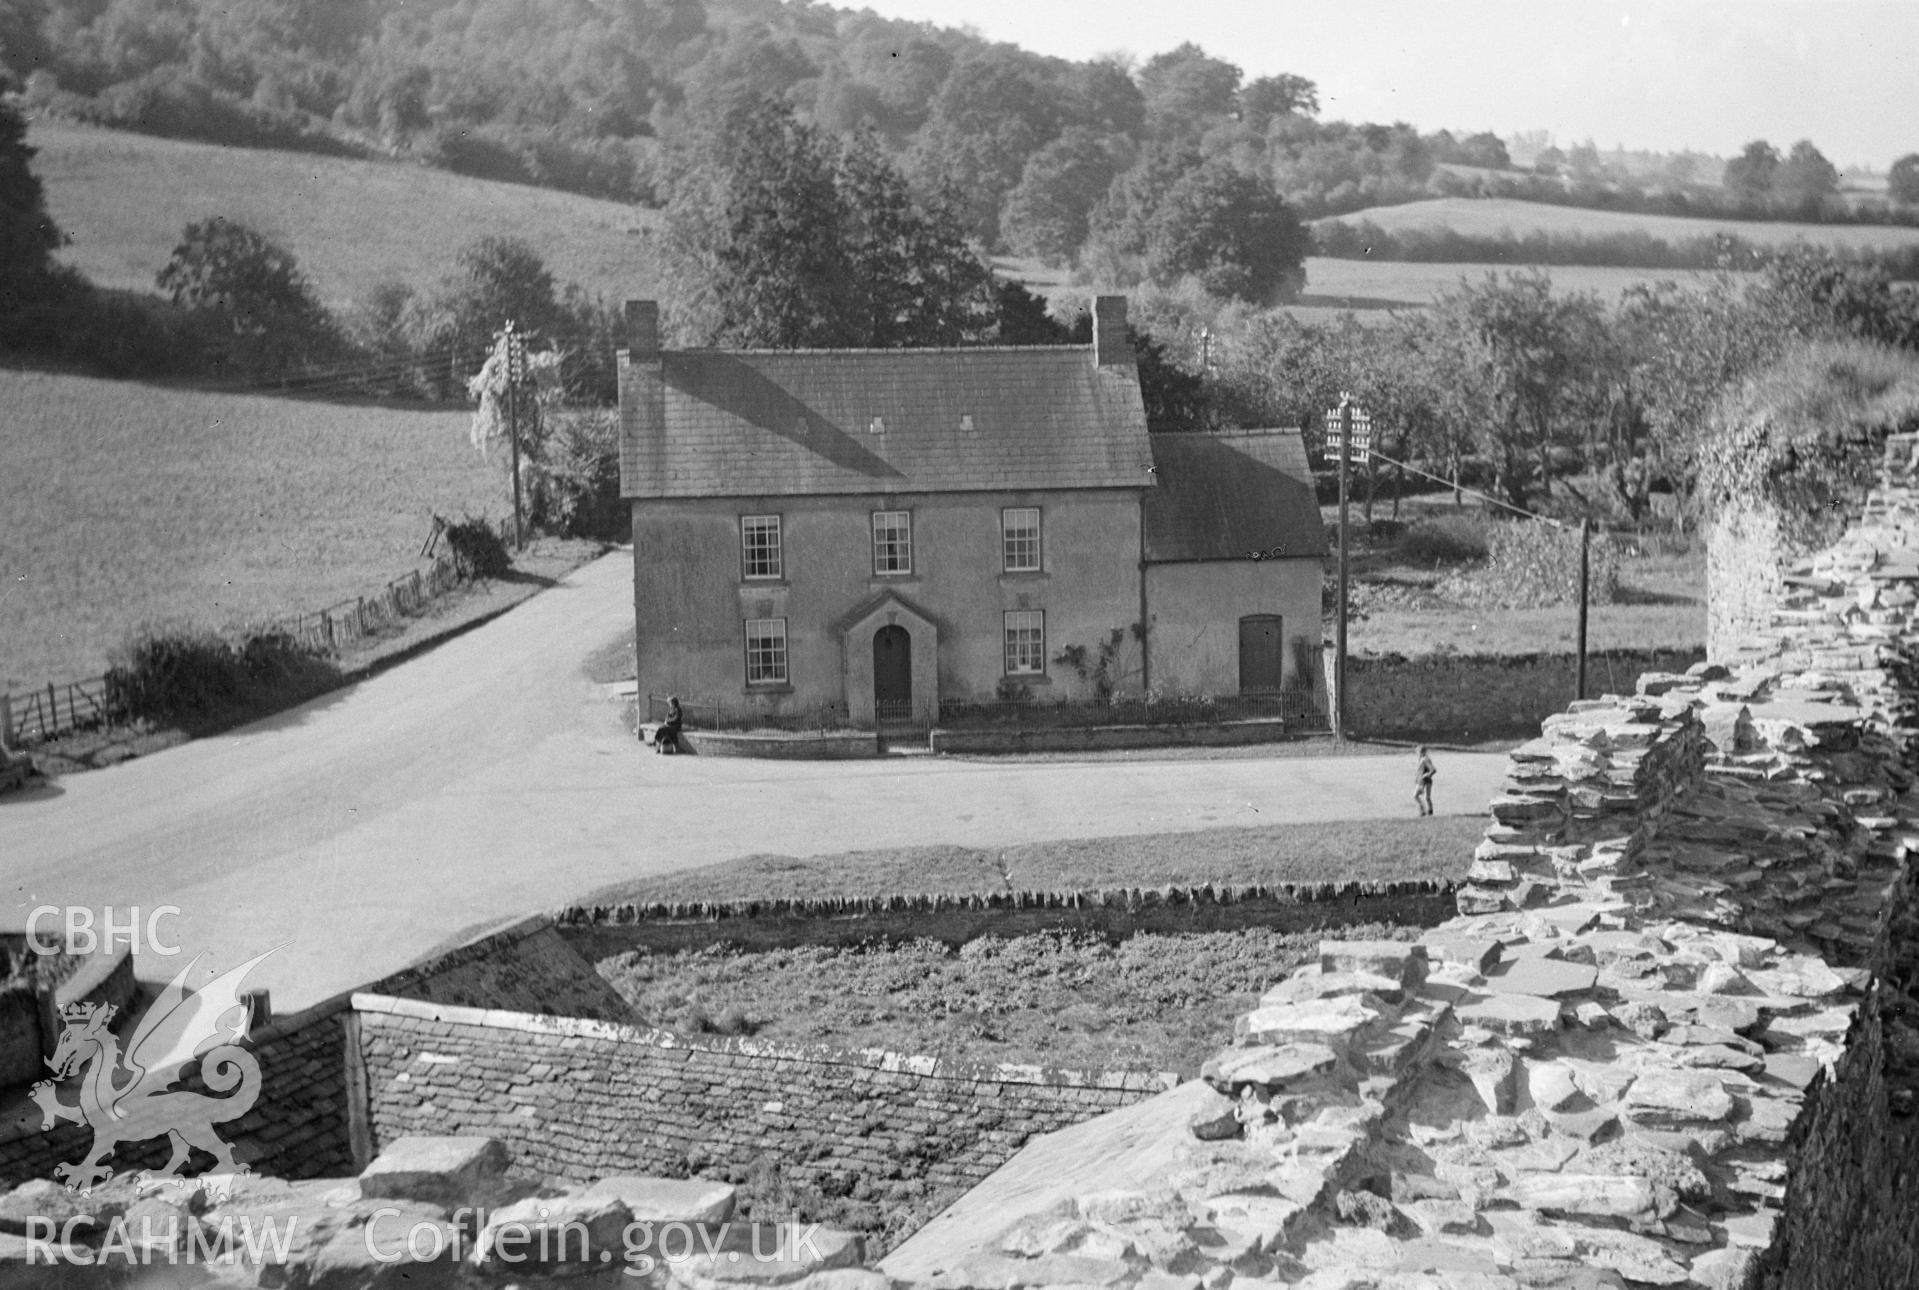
{"type": "Point", "coordinates": [880, 530]}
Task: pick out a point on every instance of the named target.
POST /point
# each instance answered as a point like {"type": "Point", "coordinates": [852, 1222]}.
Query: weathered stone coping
{"type": "Point", "coordinates": [1126, 898]}
{"type": "Point", "coordinates": [599, 931]}
{"type": "Point", "coordinates": [820, 1054]}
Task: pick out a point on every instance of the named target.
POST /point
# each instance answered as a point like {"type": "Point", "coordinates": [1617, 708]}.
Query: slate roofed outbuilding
{"type": "Point", "coordinates": [1232, 495]}
{"type": "Point", "coordinates": [799, 422]}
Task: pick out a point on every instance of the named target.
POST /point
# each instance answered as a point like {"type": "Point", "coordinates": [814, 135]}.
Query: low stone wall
{"type": "Point", "coordinates": [1012, 739]}
{"type": "Point", "coordinates": [601, 931]}
{"type": "Point", "coordinates": [1445, 697]}
{"type": "Point", "coordinates": [874, 1135]}
{"type": "Point", "coordinates": [525, 966]}
{"type": "Point", "coordinates": [836, 745]}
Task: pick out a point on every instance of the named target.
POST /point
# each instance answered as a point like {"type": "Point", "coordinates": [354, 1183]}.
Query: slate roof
{"type": "Point", "coordinates": [1228, 495]}
{"type": "Point", "coordinates": [798, 422]}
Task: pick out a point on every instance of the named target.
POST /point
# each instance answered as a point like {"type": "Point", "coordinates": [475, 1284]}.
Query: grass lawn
{"type": "Point", "coordinates": [1356, 850]}
{"type": "Point", "coordinates": [124, 199]}
{"type": "Point", "coordinates": [129, 503]}
{"type": "Point", "coordinates": [1491, 217]}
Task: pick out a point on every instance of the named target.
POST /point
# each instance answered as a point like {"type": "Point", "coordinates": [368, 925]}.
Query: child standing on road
{"type": "Point", "coordinates": [1423, 777]}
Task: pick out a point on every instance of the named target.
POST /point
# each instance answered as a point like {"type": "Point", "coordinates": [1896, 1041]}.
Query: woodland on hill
{"type": "Point", "coordinates": [1064, 161]}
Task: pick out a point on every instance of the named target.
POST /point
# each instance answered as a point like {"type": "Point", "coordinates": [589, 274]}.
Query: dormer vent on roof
{"type": "Point", "coordinates": [877, 426]}
{"type": "Point", "coordinates": [966, 422]}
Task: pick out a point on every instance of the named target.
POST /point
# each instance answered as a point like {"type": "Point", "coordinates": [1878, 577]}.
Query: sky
{"type": "Point", "coordinates": [1706, 75]}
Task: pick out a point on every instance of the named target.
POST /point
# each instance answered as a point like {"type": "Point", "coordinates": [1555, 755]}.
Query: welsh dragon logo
{"type": "Point", "coordinates": [130, 1096]}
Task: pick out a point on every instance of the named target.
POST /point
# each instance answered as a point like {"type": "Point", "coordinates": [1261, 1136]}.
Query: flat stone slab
{"type": "Point", "coordinates": [1270, 1067]}
{"type": "Point", "coordinates": [544, 1233]}
{"type": "Point", "coordinates": [668, 1200]}
{"type": "Point", "coordinates": [1318, 1021]}
{"type": "Point", "coordinates": [439, 1170]}
{"type": "Point", "coordinates": [1511, 1014]}
{"type": "Point", "coordinates": [1544, 977]}
{"type": "Point", "coordinates": [1405, 961]}
{"type": "Point", "coordinates": [1677, 1097]}
{"type": "Point", "coordinates": [1586, 1195]}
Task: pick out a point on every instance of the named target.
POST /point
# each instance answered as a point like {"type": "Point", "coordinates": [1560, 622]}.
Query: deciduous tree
{"type": "Point", "coordinates": [789, 238]}
{"type": "Point", "coordinates": [253, 292]}
{"type": "Point", "coordinates": [1805, 177]}
{"type": "Point", "coordinates": [1750, 176]}
{"type": "Point", "coordinates": [1048, 214]}
{"type": "Point", "coordinates": [1232, 234]}
{"type": "Point", "coordinates": [1902, 181]}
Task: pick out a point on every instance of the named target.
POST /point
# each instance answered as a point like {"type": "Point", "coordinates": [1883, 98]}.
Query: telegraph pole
{"type": "Point", "coordinates": [1339, 629]}
{"type": "Point", "coordinates": [515, 373]}
{"type": "Point", "coordinates": [1585, 578]}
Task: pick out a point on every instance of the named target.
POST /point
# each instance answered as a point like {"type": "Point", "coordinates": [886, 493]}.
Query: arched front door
{"type": "Point", "coordinates": [1260, 662]}
{"type": "Point", "coordinates": [892, 673]}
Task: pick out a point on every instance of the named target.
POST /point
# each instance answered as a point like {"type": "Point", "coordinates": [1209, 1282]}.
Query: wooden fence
{"type": "Point", "coordinates": [30, 716]}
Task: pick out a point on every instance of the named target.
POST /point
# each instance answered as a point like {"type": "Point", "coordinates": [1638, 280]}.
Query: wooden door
{"type": "Point", "coordinates": [893, 673]}
{"type": "Point", "coordinates": [1260, 654]}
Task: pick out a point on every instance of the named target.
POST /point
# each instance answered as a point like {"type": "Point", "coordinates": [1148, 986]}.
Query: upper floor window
{"type": "Point", "coordinates": [1019, 539]}
{"type": "Point", "coordinates": [760, 554]}
{"type": "Point", "coordinates": [892, 542]}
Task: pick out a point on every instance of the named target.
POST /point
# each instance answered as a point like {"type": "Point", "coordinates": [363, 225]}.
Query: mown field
{"type": "Point", "coordinates": [1333, 286]}
{"type": "Point", "coordinates": [128, 503]}
{"type": "Point", "coordinates": [1493, 216]}
{"type": "Point", "coordinates": [1369, 289]}
{"type": "Point", "coordinates": [123, 198]}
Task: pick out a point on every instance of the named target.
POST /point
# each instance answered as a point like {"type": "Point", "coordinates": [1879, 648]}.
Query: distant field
{"type": "Point", "coordinates": [126, 503]}
{"type": "Point", "coordinates": [1492, 216]}
{"type": "Point", "coordinates": [1335, 285]}
{"type": "Point", "coordinates": [1367, 287]}
{"type": "Point", "coordinates": [353, 224]}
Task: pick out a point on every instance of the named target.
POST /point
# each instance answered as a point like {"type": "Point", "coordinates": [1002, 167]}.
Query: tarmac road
{"type": "Point", "coordinates": [489, 778]}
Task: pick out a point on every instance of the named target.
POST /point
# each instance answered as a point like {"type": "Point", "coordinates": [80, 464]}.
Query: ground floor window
{"type": "Point", "coordinates": [1025, 642]}
{"type": "Point", "coordinates": [765, 651]}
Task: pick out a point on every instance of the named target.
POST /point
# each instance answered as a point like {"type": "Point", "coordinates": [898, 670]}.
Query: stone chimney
{"type": "Point", "coordinates": [1111, 348]}
{"type": "Point", "coordinates": [643, 330]}
{"type": "Point", "coordinates": [642, 369]}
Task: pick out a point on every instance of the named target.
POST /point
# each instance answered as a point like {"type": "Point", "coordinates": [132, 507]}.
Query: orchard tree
{"type": "Point", "coordinates": [1531, 354]}
{"type": "Point", "coordinates": [1902, 181]}
{"type": "Point", "coordinates": [252, 292]}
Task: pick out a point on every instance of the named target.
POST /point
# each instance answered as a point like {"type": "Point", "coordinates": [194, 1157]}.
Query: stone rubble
{"type": "Point", "coordinates": [431, 1213]}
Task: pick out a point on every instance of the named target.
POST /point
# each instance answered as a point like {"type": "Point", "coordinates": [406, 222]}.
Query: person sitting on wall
{"type": "Point", "coordinates": [667, 738]}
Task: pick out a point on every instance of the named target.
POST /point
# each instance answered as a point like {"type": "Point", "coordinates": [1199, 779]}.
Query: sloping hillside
{"type": "Point", "coordinates": [353, 224]}
{"type": "Point", "coordinates": [1491, 217]}
{"type": "Point", "coordinates": [127, 503]}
